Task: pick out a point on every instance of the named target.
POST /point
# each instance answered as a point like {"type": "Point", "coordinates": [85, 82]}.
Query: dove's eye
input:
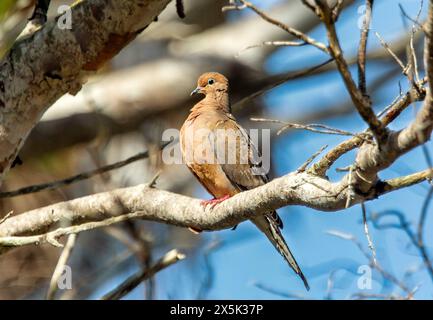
{"type": "Point", "coordinates": [211, 81]}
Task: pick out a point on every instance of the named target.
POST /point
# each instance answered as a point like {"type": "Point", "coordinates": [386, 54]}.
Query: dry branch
{"type": "Point", "coordinates": [132, 282]}
{"type": "Point", "coordinates": [393, 111]}
{"type": "Point", "coordinates": [292, 31]}
{"type": "Point", "coordinates": [63, 259]}
{"type": "Point", "coordinates": [249, 30]}
{"type": "Point", "coordinates": [360, 101]}
{"type": "Point", "coordinates": [147, 203]}
{"type": "Point", "coordinates": [76, 178]}
{"type": "Point", "coordinates": [362, 50]}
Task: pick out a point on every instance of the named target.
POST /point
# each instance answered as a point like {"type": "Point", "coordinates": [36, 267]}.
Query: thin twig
{"type": "Point", "coordinates": [350, 191]}
{"type": "Point", "coordinates": [52, 236]}
{"type": "Point", "coordinates": [276, 292]}
{"type": "Point", "coordinates": [414, 59]}
{"type": "Point", "coordinates": [273, 44]}
{"type": "Point", "coordinates": [385, 274]}
{"type": "Point", "coordinates": [361, 102]}
{"type": "Point", "coordinates": [311, 159]}
{"type": "Point", "coordinates": [367, 233]}
{"type": "Point", "coordinates": [388, 107]}
{"type": "Point", "coordinates": [404, 225]}
{"type": "Point", "coordinates": [76, 178]}
{"type": "Point", "coordinates": [152, 182]}
{"type": "Point", "coordinates": [363, 295]}
{"type": "Point", "coordinates": [410, 51]}
{"type": "Point", "coordinates": [132, 282]}
{"type": "Point", "coordinates": [6, 216]}
{"type": "Point", "coordinates": [416, 20]}
{"type": "Point", "coordinates": [396, 58]}
{"type": "Point", "coordinates": [63, 259]}
{"type": "Point", "coordinates": [284, 79]}
{"type": "Point", "coordinates": [309, 5]}
{"type": "Point", "coordinates": [362, 50]}
{"type": "Point", "coordinates": [210, 272]}
{"type": "Point", "coordinates": [330, 285]}
{"type": "Point", "coordinates": [337, 9]}
{"type": "Point", "coordinates": [411, 96]}
{"type": "Point", "coordinates": [294, 32]}
{"type": "Point", "coordinates": [313, 127]}
{"type": "Point", "coordinates": [420, 232]}
{"type": "Point", "coordinates": [143, 252]}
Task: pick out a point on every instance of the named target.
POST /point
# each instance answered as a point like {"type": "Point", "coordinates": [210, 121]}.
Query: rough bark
{"type": "Point", "coordinates": [148, 203]}
{"type": "Point", "coordinates": [43, 66]}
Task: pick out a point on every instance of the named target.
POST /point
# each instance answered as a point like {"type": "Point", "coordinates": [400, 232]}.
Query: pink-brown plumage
{"type": "Point", "coordinates": [207, 119]}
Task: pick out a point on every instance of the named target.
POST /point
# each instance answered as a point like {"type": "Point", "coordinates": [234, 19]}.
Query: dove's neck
{"type": "Point", "coordinates": [216, 100]}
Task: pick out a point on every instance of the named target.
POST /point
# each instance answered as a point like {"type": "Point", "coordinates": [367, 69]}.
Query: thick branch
{"type": "Point", "coordinates": [394, 110]}
{"type": "Point", "coordinates": [43, 66]}
{"type": "Point", "coordinates": [147, 203]}
{"type": "Point", "coordinates": [371, 159]}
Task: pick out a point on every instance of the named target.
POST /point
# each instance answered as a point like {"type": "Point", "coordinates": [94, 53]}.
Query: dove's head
{"type": "Point", "coordinates": [212, 83]}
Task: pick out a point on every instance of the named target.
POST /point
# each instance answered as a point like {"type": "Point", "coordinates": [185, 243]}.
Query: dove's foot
{"type": "Point", "coordinates": [214, 202]}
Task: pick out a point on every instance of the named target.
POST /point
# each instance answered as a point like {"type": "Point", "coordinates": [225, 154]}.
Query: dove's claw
{"type": "Point", "coordinates": [213, 202]}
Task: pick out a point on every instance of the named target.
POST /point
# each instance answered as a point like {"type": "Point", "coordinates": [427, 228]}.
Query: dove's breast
{"type": "Point", "coordinates": [200, 153]}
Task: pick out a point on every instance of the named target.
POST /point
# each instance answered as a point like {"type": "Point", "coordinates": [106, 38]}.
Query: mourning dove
{"type": "Point", "coordinates": [201, 146]}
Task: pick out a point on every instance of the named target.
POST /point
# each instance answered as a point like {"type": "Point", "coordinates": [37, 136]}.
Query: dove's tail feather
{"type": "Point", "coordinates": [269, 225]}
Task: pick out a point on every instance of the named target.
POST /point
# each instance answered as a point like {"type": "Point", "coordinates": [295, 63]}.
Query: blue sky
{"type": "Point", "coordinates": [251, 259]}
{"type": "Point", "coordinates": [246, 257]}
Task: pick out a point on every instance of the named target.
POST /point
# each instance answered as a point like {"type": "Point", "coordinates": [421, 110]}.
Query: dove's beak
{"type": "Point", "coordinates": [196, 90]}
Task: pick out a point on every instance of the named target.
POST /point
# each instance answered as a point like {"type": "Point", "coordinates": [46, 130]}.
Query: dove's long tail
{"type": "Point", "coordinates": [270, 224]}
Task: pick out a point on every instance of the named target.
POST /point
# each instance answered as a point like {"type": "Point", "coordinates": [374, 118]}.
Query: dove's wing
{"type": "Point", "coordinates": [246, 174]}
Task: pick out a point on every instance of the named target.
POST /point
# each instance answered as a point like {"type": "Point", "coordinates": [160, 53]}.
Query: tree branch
{"type": "Point", "coordinates": [52, 61]}
{"type": "Point", "coordinates": [362, 50]}
{"type": "Point", "coordinates": [147, 203]}
{"type": "Point", "coordinates": [371, 159]}
{"type": "Point", "coordinates": [361, 102]}
{"type": "Point", "coordinates": [76, 178]}
{"type": "Point", "coordinates": [394, 110]}
{"type": "Point", "coordinates": [63, 259]}
{"type": "Point", "coordinates": [294, 32]}
{"type": "Point", "coordinates": [133, 281]}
